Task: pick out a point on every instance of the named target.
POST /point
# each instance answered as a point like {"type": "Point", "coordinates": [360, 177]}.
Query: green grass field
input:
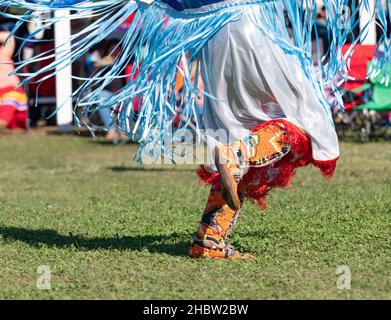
{"type": "Point", "coordinates": [110, 229]}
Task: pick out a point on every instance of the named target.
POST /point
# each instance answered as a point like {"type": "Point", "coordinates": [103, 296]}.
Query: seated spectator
{"type": "Point", "coordinates": [13, 101]}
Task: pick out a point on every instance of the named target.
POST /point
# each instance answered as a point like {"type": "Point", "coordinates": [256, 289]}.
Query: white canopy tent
{"type": "Point", "coordinates": [366, 16]}
{"type": "Point", "coordinates": [62, 34]}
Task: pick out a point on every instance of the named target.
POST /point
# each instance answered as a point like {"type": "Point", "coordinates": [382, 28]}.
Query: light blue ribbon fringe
{"type": "Point", "coordinates": [163, 43]}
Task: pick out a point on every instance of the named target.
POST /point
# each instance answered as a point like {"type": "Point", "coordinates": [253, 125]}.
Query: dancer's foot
{"type": "Point", "coordinates": [199, 249]}
{"type": "Point", "coordinates": [210, 240]}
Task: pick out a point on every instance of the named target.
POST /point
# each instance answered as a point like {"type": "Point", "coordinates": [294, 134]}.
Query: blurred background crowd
{"type": "Point", "coordinates": [367, 112]}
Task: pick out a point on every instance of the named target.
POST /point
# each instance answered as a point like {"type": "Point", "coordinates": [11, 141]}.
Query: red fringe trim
{"type": "Point", "coordinates": [258, 182]}
{"type": "Point", "coordinates": [208, 177]}
{"type": "Point", "coordinates": [327, 167]}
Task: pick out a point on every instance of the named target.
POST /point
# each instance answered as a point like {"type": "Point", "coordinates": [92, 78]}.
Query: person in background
{"type": "Point", "coordinates": [112, 51]}
{"type": "Point", "coordinates": [321, 25]}
{"type": "Point", "coordinates": [13, 101]}
{"type": "Point", "coordinates": [92, 59]}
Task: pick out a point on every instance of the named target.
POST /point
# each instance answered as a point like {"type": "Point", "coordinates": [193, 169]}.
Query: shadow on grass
{"type": "Point", "coordinates": [79, 133]}
{"type": "Point", "coordinates": [174, 244]}
{"type": "Point", "coordinates": [109, 143]}
{"type": "Point", "coordinates": [151, 169]}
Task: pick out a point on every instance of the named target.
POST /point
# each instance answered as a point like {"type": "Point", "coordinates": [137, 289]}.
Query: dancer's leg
{"type": "Point", "coordinates": [264, 147]}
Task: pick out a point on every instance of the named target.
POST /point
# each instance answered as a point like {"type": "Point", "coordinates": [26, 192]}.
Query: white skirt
{"type": "Point", "coordinates": [253, 81]}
